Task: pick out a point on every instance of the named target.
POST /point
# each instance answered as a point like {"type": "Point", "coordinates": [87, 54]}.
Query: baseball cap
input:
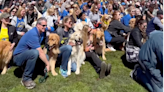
{"type": "Point", "coordinates": [4, 15]}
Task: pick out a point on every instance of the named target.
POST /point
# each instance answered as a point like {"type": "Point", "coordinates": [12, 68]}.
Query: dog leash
{"type": "Point", "coordinates": [43, 79]}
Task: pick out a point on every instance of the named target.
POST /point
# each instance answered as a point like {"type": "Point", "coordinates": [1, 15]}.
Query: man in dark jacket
{"type": "Point", "coordinates": [149, 73]}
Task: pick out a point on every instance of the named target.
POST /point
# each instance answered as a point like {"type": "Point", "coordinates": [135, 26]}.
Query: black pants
{"type": "Point", "coordinates": [92, 58]}
{"type": "Point", "coordinates": [117, 41]}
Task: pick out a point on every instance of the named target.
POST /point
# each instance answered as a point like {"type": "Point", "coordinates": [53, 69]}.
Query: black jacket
{"type": "Point", "coordinates": [13, 36]}
{"type": "Point", "coordinates": [115, 28]}
{"type": "Point", "coordinates": [135, 37]}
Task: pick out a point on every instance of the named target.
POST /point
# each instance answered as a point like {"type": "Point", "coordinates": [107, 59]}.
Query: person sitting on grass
{"type": "Point", "coordinates": [101, 68]}
{"type": "Point", "coordinates": [65, 50]}
{"type": "Point", "coordinates": [149, 72]}
{"type": "Point", "coordinates": [27, 52]}
{"type": "Point", "coordinates": [115, 27]}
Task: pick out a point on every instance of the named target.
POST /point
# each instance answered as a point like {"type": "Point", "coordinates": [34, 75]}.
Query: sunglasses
{"type": "Point", "coordinates": [14, 11]}
{"type": "Point", "coordinates": [43, 25]}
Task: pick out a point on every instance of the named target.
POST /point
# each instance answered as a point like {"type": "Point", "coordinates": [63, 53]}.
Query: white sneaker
{"type": "Point", "coordinates": [111, 47]}
{"type": "Point", "coordinates": [131, 73]}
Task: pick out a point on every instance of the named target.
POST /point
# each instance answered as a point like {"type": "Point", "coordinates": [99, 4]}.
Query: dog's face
{"type": "Point", "coordinates": [132, 22]}
{"type": "Point", "coordinates": [53, 40]}
{"type": "Point", "coordinates": [77, 37]}
{"type": "Point", "coordinates": [99, 37]}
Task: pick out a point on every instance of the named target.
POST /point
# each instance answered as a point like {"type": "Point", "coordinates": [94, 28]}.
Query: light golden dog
{"type": "Point", "coordinates": [106, 19]}
{"type": "Point", "coordinates": [53, 51]}
{"type": "Point", "coordinates": [77, 54]}
{"type": "Point", "coordinates": [79, 26]}
{"type": "Point", "coordinates": [5, 55]}
{"type": "Point", "coordinates": [99, 42]}
{"type": "Point", "coordinates": [132, 23]}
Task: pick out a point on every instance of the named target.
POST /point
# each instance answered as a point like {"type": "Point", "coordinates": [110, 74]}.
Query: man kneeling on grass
{"type": "Point", "coordinates": [28, 50]}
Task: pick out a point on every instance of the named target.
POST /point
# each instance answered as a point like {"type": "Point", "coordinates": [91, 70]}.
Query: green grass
{"type": "Point", "coordinates": [87, 81]}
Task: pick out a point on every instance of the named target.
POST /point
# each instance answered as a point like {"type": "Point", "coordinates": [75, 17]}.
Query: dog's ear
{"type": "Point", "coordinates": [57, 37]}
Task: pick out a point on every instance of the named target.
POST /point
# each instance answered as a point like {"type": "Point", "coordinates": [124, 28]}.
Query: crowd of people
{"type": "Point", "coordinates": [133, 26]}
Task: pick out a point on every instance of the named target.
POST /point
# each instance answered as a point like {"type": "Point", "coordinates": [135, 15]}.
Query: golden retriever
{"type": "Point", "coordinates": [5, 55]}
{"type": "Point", "coordinates": [99, 42]}
{"type": "Point", "coordinates": [106, 19]}
{"type": "Point", "coordinates": [53, 51]}
{"type": "Point", "coordinates": [79, 26]}
{"type": "Point", "coordinates": [132, 23]}
{"type": "Point", "coordinates": [77, 54]}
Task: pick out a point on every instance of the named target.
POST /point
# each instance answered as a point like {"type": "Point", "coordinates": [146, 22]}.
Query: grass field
{"type": "Point", "coordinates": [87, 81]}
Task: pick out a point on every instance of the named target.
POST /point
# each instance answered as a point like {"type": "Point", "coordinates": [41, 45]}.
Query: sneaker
{"type": "Point", "coordinates": [28, 84]}
{"type": "Point", "coordinates": [63, 73]}
{"type": "Point", "coordinates": [131, 74]}
{"type": "Point", "coordinates": [108, 70]}
{"type": "Point", "coordinates": [110, 47]}
{"type": "Point", "coordinates": [103, 70]}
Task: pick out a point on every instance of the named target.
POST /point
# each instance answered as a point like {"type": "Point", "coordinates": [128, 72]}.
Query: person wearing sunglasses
{"type": "Point", "coordinates": [28, 51]}
{"type": "Point", "coordinates": [125, 20]}
{"type": "Point", "coordinates": [12, 13]}
{"type": "Point", "coordinates": [65, 50]}
{"type": "Point", "coordinates": [138, 33]}
{"type": "Point", "coordinates": [149, 72]}
{"type": "Point", "coordinates": [7, 31]}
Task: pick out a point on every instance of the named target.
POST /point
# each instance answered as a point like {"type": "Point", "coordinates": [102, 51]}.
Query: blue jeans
{"type": "Point", "coordinates": [27, 58]}
{"type": "Point", "coordinates": [145, 80]}
{"type": "Point", "coordinates": [65, 53]}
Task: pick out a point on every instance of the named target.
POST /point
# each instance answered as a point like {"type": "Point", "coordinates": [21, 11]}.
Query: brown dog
{"type": "Point", "coordinates": [99, 42]}
{"type": "Point", "coordinates": [132, 23]}
{"type": "Point", "coordinates": [53, 51]}
{"type": "Point", "coordinates": [5, 55]}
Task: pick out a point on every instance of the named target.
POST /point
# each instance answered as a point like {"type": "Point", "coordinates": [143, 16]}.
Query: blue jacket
{"type": "Point", "coordinates": [65, 13]}
{"type": "Point", "coordinates": [108, 37]}
{"type": "Point", "coordinates": [106, 11]}
{"type": "Point", "coordinates": [125, 20]}
{"type": "Point", "coordinates": [151, 57]}
{"type": "Point", "coordinates": [101, 10]}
